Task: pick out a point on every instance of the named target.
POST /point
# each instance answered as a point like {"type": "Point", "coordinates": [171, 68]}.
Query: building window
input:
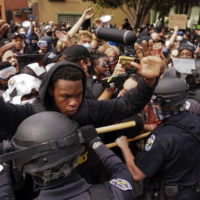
{"type": "Point", "coordinates": [69, 18]}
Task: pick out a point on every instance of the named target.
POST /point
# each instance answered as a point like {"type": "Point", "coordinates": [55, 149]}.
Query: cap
{"type": "Point", "coordinates": [76, 53]}
{"type": "Point", "coordinates": [14, 35]}
{"type": "Point", "coordinates": [146, 38]}
{"type": "Point", "coordinates": [186, 44]}
{"type": "Point", "coordinates": [49, 66]}
{"type": "Point", "coordinates": [48, 41]}
{"type": "Point", "coordinates": [47, 27]}
{"type": "Point", "coordinates": [180, 33]}
{"type": "Point", "coordinates": [50, 57]}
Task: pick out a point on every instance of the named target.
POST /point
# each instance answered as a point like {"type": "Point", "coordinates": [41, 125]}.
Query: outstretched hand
{"type": "Point", "coordinates": [64, 38]}
{"type": "Point", "coordinates": [98, 23]}
{"type": "Point", "coordinates": [147, 51]}
{"type": "Point", "coordinates": [152, 65]}
{"type": "Point", "coordinates": [6, 47]}
{"type": "Point", "coordinates": [88, 13]}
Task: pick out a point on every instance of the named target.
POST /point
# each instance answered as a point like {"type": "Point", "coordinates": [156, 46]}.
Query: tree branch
{"type": "Point", "coordinates": [133, 3]}
{"type": "Point", "coordinates": [130, 20]}
{"type": "Point", "coordinates": [131, 13]}
{"type": "Point", "coordinates": [148, 6]}
{"type": "Point", "coordinates": [138, 7]}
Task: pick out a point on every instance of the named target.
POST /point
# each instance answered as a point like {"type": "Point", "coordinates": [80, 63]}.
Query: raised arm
{"type": "Point", "coordinates": [86, 15]}
{"type": "Point", "coordinates": [68, 38]}
{"type": "Point", "coordinates": [172, 37]}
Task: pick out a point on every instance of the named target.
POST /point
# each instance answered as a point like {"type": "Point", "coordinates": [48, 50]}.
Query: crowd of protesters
{"type": "Point", "coordinates": [30, 57]}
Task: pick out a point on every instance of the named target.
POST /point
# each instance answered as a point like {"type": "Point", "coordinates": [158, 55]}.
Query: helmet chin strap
{"type": "Point", "coordinates": [64, 171]}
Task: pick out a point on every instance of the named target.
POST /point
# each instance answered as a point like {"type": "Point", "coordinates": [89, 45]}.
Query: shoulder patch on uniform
{"type": "Point", "coordinates": [150, 142]}
{"type": "Point", "coordinates": [121, 184]}
{"type": "Point", "coordinates": [187, 106]}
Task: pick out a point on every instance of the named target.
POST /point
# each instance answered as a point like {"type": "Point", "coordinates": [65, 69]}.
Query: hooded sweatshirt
{"type": "Point", "coordinates": [90, 112]}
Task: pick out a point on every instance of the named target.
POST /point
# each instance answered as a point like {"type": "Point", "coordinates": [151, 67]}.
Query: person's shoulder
{"type": "Point", "coordinates": [170, 72]}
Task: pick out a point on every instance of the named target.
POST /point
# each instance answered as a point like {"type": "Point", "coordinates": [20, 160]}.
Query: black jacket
{"type": "Point", "coordinates": [97, 113]}
{"type": "Point", "coordinates": [90, 112]}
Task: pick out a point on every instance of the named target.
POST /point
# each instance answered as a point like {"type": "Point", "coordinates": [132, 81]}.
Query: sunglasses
{"type": "Point", "coordinates": [105, 64]}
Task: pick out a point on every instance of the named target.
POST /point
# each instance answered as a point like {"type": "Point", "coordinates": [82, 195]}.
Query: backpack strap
{"type": "Point", "coordinates": [100, 192]}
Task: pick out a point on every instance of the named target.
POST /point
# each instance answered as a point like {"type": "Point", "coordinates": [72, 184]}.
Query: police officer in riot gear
{"type": "Point", "coordinates": [47, 146]}
{"type": "Point", "coordinates": [193, 101]}
{"type": "Point", "coordinates": [170, 159]}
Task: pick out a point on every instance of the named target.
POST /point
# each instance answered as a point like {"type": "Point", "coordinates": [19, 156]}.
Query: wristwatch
{"type": "Point", "coordinates": [3, 168]}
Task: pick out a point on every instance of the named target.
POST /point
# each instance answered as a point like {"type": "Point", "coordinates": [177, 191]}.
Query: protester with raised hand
{"type": "Point", "coordinates": [68, 38]}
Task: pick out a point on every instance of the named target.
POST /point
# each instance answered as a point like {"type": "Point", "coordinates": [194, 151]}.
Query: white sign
{"type": "Point", "coordinates": [184, 65]}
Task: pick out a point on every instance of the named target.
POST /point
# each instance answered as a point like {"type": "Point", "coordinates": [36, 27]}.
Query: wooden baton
{"type": "Point", "coordinates": [115, 127]}
{"type": "Point", "coordinates": [114, 144]}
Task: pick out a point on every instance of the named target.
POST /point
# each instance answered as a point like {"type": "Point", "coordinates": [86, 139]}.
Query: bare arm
{"type": "Point", "coordinates": [3, 28]}
{"type": "Point", "coordinates": [173, 37]}
{"type": "Point", "coordinates": [68, 38]}
{"type": "Point", "coordinates": [86, 15]}
{"type": "Point", "coordinates": [137, 174]}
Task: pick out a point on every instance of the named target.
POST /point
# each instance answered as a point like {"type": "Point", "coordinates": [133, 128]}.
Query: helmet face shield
{"type": "Point", "coordinates": [170, 93]}
{"type": "Point", "coordinates": [45, 140]}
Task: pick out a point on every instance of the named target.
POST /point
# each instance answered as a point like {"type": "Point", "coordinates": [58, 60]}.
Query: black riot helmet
{"type": "Point", "coordinates": [45, 140]}
{"type": "Point", "coordinates": [196, 71]}
{"type": "Point", "coordinates": [170, 92]}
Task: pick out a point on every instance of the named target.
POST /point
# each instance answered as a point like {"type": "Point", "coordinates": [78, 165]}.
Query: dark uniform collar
{"type": "Point", "coordinates": [62, 188]}
{"type": "Point", "coordinates": [180, 115]}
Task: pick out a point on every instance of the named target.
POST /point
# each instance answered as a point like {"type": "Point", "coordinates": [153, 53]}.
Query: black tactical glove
{"type": "Point", "coordinates": [89, 134]}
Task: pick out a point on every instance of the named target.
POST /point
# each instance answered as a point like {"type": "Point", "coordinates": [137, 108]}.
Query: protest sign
{"type": "Point", "coordinates": [183, 65]}
{"type": "Point", "coordinates": [177, 20]}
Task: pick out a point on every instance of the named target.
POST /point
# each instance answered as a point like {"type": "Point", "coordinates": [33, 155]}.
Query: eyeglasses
{"type": "Point", "coordinates": [105, 64]}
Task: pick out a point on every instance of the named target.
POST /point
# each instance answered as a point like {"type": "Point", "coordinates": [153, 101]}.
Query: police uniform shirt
{"type": "Point", "coordinates": [120, 184]}
{"type": "Point", "coordinates": [171, 153]}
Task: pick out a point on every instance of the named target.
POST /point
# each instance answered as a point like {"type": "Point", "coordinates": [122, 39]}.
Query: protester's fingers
{"type": "Point", "coordinates": [159, 51]}
{"type": "Point", "coordinates": [97, 23]}
{"type": "Point", "coordinates": [136, 66]}
{"type": "Point", "coordinates": [90, 10]}
{"type": "Point", "coordinates": [144, 48]}
{"type": "Point", "coordinates": [89, 13]}
{"type": "Point", "coordinates": [5, 48]}
{"type": "Point", "coordinates": [3, 29]}
{"type": "Point", "coordinates": [138, 51]}
{"type": "Point", "coordinates": [151, 52]}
